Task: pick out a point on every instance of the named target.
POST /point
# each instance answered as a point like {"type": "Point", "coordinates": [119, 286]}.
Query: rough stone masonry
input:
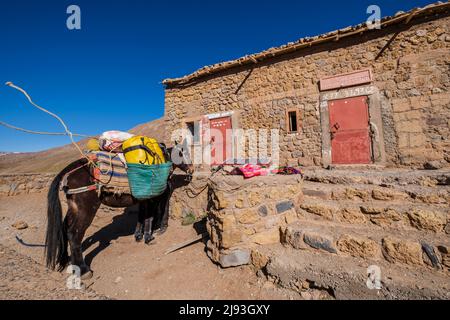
{"type": "Point", "coordinates": [394, 217]}
{"type": "Point", "coordinates": [246, 213]}
{"type": "Point", "coordinates": [408, 95]}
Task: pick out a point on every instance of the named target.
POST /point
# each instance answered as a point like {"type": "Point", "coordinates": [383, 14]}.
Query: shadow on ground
{"type": "Point", "coordinates": [122, 226]}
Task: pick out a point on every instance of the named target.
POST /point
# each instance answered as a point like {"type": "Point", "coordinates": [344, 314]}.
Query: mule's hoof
{"type": "Point", "coordinates": [87, 275]}
{"type": "Point", "coordinates": [161, 231]}
{"type": "Point", "coordinates": [148, 239]}
{"type": "Point", "coordinates": [138, 238]}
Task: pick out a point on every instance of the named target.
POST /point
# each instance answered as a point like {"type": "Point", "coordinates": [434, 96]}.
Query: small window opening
{"type": "Point", "coordinates": [194, 129]}
{"type": "Point", "coordinates": [292, 118]}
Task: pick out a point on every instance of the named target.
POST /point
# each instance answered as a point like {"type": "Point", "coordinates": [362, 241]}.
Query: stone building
{"type": "Point", "coordinates": [373, 104]}
{"type": "Point", "coordinates": [348, 97]}
{"type": "Point", "coordinates": [376, 98]}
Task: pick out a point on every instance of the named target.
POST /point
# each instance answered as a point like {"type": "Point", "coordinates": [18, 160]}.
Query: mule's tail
{"type": "Point", "coordinates": [56, 237]}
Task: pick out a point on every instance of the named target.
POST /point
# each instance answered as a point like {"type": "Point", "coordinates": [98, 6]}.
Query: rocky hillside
{"type": "Point", "coordinates": [53, 160]}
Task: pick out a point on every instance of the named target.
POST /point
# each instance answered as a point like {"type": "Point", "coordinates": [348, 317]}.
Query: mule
{"type": "Point", "coordinates": [82, 208]}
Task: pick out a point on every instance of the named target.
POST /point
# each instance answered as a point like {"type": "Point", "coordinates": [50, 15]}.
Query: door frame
{"type": "Point", "coordinates": [375, 120]}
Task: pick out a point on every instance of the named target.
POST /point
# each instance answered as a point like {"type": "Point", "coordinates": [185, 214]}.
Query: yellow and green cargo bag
{"type": "Point", "coordinates": [143, 150]}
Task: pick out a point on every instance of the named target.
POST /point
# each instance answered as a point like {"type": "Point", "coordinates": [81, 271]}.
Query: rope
{"type": "Point", "coordinates": [7, 125]}
{"type": "Point", "coordinates": [66, 129]}
{"type": "Point", "coordinates": [192, 194]}
{"type": "Point", "coordinates": [19, 240]}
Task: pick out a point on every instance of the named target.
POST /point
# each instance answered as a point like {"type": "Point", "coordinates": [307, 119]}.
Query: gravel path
{"type": "Point", "coordinates": [123, 269]}
{"type": "Point", "coordinates": [21, 278]}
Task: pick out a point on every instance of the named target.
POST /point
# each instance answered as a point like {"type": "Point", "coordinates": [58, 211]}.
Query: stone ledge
{"type": "Point", "coordinates": [221, 182]}
{"type": "Point", "coordinates": [346, 277]}
{"type": "Point", "coordinates": [369, 244]}
{"type": "Point", "coordinates": [384, 214]}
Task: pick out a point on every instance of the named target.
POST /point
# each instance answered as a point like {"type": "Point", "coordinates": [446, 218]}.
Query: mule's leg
{"type": "Point", "coordinates": [82, 209]}
{"type": "Point", "coordinates": [139, 232]}
{"type": "Point", "coordinates": [148, 236]}
{"type": "Point", "coordinates": [165, 209]}
{"type": "Point", "coordinates": [149, 214]}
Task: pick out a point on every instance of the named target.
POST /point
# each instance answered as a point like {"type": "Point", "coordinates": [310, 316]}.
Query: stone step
{"type": "Point", "coordinates": [404, 246]}
{"type": "Point", "coordinates": [345, 277]}
{"type": "Point", "coordinates": [385, 214]}
{"type": "Point", "coordinates": [381, 178]}
{"type": "Point", "coordinates": [364, 192]}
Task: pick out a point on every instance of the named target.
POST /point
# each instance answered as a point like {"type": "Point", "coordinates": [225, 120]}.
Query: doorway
{"type": "Point", "coordinates": [221, 140]}
{"type": "Point", "coordinates": [350, 131]}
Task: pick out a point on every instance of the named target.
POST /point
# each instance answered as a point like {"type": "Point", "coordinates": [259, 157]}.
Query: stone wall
{"type": "Point", "coordinates": [15, 184]}
{"type": "Point", "coordinates": [396, 219]}
{"type": "Point", "coordinates": [411, 75]}
{"type": "Point", "coordinates": [246, 213]}
{"type": "Point", "coordinates": [189, 197]}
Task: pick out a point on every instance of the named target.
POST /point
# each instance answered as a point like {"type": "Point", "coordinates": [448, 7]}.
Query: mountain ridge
{"type": "Point", "coordinates": [55, 159]}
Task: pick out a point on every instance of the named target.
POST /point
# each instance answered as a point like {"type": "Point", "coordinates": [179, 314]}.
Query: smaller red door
{"type": "Point", "coordinates": [221, 145]}
{"type": "Point", "coordinates": [349, 130]}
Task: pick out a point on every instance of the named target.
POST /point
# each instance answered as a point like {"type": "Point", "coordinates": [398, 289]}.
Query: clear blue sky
{"type": "Point", "coordinates": [108, 74]}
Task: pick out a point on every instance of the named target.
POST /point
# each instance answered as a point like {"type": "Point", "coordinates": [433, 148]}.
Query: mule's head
{"type": "Point", "coordinates": [180, 157]}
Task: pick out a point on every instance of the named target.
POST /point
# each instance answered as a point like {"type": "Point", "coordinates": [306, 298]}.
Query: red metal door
{"type": "Point", "coordinates": [221, 146]}
{"type": "Point", "coordinates": [349, 129]}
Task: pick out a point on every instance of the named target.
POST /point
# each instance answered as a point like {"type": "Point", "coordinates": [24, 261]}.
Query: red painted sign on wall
{"type": "Point", "coordinates": [346, 80]}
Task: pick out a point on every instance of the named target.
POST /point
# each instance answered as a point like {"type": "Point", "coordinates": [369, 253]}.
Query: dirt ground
{"type": "Point", "coordinates": [123, 269]}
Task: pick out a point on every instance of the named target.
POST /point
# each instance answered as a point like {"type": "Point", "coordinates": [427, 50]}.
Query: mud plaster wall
{"type": "Point", "coordinates": [412, 77]}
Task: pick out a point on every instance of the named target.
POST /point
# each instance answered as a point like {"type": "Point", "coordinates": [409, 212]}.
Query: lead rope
{"type": "Point", "coordinates": [66, 129]}
{"type": "Point", "coordinates": [192, 194]}
{"type": "Point", "coordinates": [10, 126]}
